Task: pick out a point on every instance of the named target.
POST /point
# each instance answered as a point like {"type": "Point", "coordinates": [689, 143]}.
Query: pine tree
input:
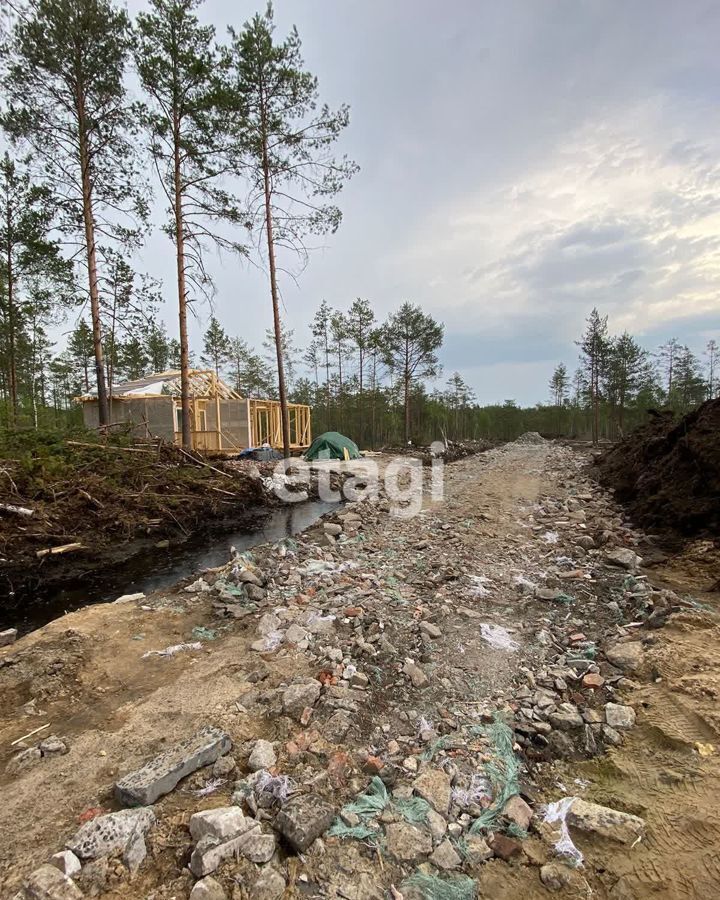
{"type": "Point", "coordinates": [181, 73]}
{"type": "Point", "coordinates": [689, 388]}
{"type": "Point", "coordinates": [27, 252]}
{"type": "Point", "coordinates": [711, 351]}
{"type": "Point", "coordinates": [284, 139]}
{"type": "Point", "coordinates": [80, 351]}
{"type": "Point", "coordinates": [410, 343]}
{"type": "Point", "coordinates": [626, 362]}
{"type": "Point", "coordinates": [216, 346]}
{"type": "Point", "coordinates": [594, 351]}
{"type": "Point", "coordinates": [158, 346]}
{"type": "Point", "coordinates": [251, 375]}
{"type": "Point", "coordinates": [288, 353]}
{"type": "Point", "coordinates": [65, 84]}
{"type": "Point", "coordinates": [667, 356]}
{"type": "Point", "coordinates": [559, 388]}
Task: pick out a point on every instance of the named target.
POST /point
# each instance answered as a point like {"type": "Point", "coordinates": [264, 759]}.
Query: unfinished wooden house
{"type": "Point", "coordinates": [221, 418]}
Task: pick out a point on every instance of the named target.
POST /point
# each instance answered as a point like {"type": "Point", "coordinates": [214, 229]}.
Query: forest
{"type": "Point", "coordinates": [229, 134]}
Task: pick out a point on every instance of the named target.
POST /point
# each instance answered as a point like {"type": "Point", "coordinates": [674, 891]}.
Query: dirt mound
{"type": "Point", "coordinates": [454, 450]}
{"type": "Point", "coordinates": [668, 472]}
{"type": "Point", "coordinates": [530, 437]}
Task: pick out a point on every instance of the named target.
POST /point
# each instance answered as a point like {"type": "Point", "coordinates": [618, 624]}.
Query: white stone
{"type": "Point", "coordinates": [262, 757]}
{"type": "Point", "coordinates": [66, 862]}
{"type": "Point", "coordinates": [619, 717]}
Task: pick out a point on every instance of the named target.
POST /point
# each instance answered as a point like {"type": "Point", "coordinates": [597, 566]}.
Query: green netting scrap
{"type": "Point", "coordinates": [414, 810]}
{"type": "Point", "coordinates": [503, 771]}
{"type": "Point", "coordinates": [434, 888]}
{"type": "Point", "coordinates": [430, 751]}
{"type": "Point", "coordinates": [372, 802]}
{"type": "Point", "coordinates": [357, 832]}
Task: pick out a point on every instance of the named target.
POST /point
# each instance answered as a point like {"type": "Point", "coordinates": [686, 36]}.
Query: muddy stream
{"type": "Point", "coordinates": [157, 568]}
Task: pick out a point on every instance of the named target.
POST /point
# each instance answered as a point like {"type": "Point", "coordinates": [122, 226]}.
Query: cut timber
{"type": "Point", "coordinates": [110, 447]}
{"type": "Point", "coordinates": [30, 734]}
{"type": "Point", "coordinates": [56, 551]}
{"type": "Point", "coordinates": [16, 510]}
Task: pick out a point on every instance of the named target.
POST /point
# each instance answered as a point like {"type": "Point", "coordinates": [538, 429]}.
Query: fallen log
{"type": "Point", "coordinates": [56, 551]}
{"type": "Point", "coordinates": [16, 510]}
{"type": "Point", "coordinates": [109, 447]}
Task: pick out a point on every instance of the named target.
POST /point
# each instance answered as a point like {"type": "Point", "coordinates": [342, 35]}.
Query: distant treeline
{"type": "Point", "coordinates": [369, 379]}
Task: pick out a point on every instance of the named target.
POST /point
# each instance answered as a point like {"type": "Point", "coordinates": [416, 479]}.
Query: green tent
{"type": "Point", "coordinates": [333, 445]}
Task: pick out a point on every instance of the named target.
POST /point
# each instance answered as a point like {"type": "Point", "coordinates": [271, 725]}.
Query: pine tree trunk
{"type": "Point", "coordinates": [276, 308]}
{"type": "Point", "coordinates": [12, 364]}
{"type": "Point", "coordinates": [186, 426]}
{"type": "Point", "coordinates": [89, 222]}
{"type": "Point", "coordinates": [406, 379]}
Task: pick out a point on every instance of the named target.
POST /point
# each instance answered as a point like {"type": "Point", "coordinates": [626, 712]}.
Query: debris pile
{"type": "Point", "coordinates": [402, 700]}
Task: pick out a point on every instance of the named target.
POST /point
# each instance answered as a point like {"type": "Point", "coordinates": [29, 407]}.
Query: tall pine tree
{"type": "Point", "coordinates": [284, 139]}
{"type": "Point", "coordinates": [67, 100]}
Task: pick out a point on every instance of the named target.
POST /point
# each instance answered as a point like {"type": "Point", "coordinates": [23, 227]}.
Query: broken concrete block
{"type": "Point", "coordinates": [162, 774]}
{"type": "Point", "coordinates": [134, 853]}
{"type": "Point", "coordinates": [625, 558]}
{"type": "Point", "coordinates": [262, 756]}
{"type": "Point", "coordinates": [222, 823]}
{"type": "Point", "coordinates": [8, 636]}
{"type": "Point", "coordinates": [444, 856]}
{"type": "Point", "coordinates": [478, 850]}
{"type": "Point", "coordinates": [110, 834]}
{"type": "Point", "coordinates": [407, 843]}
{"type": "Point", "coordinates": [619, 717]}
{"type": "Point", "coordinates": [66, 862]}
{"type": "Point", "coordinates": [432, 631]}
{"type": "Point", "coordinates": [434, 786]}
{"type": "Point", "coordinates": [606, 822]}
{"type": "Point", "coordinates": [258, 848]}
{"type": "Point", "coordinates": [297, 697]}
{"type": "Point", "coordinates": [53, 746]}
{"type": "Point", "coordinates": [49, 883]}
{"type": "Point", "coordinates": [270, 885]}
{"type": "Point", "coordinates": [626, 656]}
{"type": "Point", "coordinates": [210, 852]}
{"type": "Point", "coordinates": [416, 675]}
{"type": "Point", "coordinates": [208, 889]}
{"type": "Point", "coordinates": [518, 811]}
{"type": "Point", "coordinates": [303, 819]}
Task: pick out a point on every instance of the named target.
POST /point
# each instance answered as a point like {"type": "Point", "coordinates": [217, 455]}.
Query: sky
{"type": "Point", "coordinates": [520, 163]}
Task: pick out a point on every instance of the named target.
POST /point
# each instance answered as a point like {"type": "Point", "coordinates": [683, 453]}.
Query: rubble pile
{"type": "Point", "coordinates": [410, 701]}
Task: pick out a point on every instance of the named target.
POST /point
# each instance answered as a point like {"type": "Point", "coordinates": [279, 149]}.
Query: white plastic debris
{"type": "Point", "coordinates": [551, 537]}
{"type": "Point", "coordinates": [176, 648]}
{"type": "Point", "coordinates": [478, 588]}
{"type": "Point", "coordinates": [498, 637]}
{"type": "Point", "coordinates": [557, 813]}
{"type": "Point", "coordinates": [214, 785]}
{"type": "Point", "coordinates": [478, 789]}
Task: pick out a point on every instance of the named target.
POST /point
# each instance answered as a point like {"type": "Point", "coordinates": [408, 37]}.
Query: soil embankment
{"type": "Point", "coordinates": [71, 510]}
{"type": "Point", "coordinates": [668, 473]}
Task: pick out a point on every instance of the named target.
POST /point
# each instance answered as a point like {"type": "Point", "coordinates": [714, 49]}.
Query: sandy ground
{"type": "Point", "coordinates": [84, 676]}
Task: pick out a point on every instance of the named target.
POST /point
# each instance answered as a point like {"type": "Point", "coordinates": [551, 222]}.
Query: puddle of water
{"type": "Point", "coordinates": [156, 569]}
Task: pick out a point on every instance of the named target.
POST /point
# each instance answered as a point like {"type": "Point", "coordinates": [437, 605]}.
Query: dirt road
{"type": "Point", "coordinates": [501, 599]}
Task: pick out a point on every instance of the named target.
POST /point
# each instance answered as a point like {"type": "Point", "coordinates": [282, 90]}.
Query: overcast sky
{"type": "Point", "coordinates": [520, 163]}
